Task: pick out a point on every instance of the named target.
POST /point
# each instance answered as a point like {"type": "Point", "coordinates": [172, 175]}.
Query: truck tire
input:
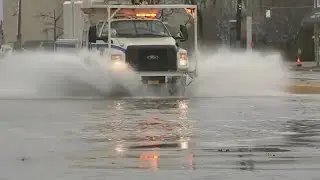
{"type": "Point", "coordinates": [118, 90]}
{"type": "Point", "coordinates": [155, 89]}
{"type": "Point", "coordinates": [177, 87]}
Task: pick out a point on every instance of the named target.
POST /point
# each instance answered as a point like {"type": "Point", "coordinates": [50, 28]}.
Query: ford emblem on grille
{"type": "Point", "coordinates": [152, 57]}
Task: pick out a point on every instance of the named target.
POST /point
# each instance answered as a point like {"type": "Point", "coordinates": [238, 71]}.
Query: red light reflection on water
{"type": "Point", "coordinates": [149, 160]}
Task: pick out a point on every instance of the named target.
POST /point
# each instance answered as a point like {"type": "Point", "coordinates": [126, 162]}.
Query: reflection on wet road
{"type": "Point", "coordinates": [222, 138]}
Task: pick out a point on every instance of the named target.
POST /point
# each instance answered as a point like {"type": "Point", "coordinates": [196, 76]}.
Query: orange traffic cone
{"type": "Point", "coordinates": [299, 64]}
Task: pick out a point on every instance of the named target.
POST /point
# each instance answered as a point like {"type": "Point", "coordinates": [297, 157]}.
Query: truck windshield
{"type": "Point", "coordinates": [137, 28]}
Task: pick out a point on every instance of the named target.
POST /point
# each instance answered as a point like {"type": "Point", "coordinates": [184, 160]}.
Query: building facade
{"type": "Point", "coordinates": [37, 19]}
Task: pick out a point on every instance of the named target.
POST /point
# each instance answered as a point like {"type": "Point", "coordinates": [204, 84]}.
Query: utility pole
{"type": "Point", "coordinates": [249, 24]}
{"type": "Point", "coordinates": [73, 28]}
{"type": "Point", "coordinates": [238, 25]}
{"type": "Point", "coordinates": [54, 25]}
{"type": "Point", "coordinates": [316, 39]}
{"type": "Point", "coordinates": [19, 40]}
{"type": "Point", "coordinates": [1, 34]}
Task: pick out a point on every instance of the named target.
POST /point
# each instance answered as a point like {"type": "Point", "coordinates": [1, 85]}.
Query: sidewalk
{"type": "Point", "coordinates": [306, 66]}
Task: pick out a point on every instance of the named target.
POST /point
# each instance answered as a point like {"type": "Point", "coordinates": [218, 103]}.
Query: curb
{"type": "Point", "coordinates": [305, 69]}
{"type": "Point", "coordinates": [303, 89]}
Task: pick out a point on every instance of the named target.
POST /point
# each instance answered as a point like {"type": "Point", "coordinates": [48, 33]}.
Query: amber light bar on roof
{"type": "Point", "coordinates": [146, 15]}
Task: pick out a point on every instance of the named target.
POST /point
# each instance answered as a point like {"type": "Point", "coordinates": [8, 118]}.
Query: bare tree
{"type": "Point", "coordinates": [14, 9]}
{"type": "Point", "coordinates": [51, 20]}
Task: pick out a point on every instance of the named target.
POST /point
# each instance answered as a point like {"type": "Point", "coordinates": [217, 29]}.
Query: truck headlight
{"type": "Point", "coordinates": [116, 63]}
{"type": "Point", "coordinates": [115, 57]}
{"type": "Point", "coordinates": [183, 59]}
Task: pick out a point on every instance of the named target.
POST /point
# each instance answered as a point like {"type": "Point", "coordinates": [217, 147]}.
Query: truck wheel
{"type": "Point", "coordinates": [182, 86]}
{"type": "Point", "coordinates": [156, 89]}
{"type": "Point", "coordinates": [118, 90]}
{"type": "Point", "coordinates": [178, 87]}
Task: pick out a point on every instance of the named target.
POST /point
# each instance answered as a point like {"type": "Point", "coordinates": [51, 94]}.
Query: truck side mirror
{"type": "Point", "coordinates": [104, 39]}
{"type": "Point", "coordinates": [179, 36]}
{"type": "Point", "coordinates": [184, 31]}
{"type": "Point", "coordinates": [92, 34]}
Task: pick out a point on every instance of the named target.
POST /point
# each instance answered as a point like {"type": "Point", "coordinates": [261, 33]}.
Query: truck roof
{"type": "Point", "coordinates": [87, 7]}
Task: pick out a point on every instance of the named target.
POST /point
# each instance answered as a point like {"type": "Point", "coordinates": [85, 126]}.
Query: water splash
{"type": "Point", "coordinates": [86, 74]}
{"type": "Point", "coordinates": [48, 74]}
{"type": "Point", "coordinates": [229, 73]}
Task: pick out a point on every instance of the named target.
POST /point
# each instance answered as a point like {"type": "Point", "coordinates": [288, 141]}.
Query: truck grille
{"type": "Point", "coordinates": [152, 58]}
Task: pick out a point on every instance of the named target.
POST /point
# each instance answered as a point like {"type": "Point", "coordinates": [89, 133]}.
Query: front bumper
{"type": "Point", "coordinates": [166, 74]}
{"type": "Point", "coordinates": [119, 70]}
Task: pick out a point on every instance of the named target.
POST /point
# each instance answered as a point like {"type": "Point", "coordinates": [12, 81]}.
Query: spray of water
{"type": "Point", "coordinates": [46, 75]}
{"type": "Point", "coordinates": [87, 74]}
{"type": "Point", "coordinates": [230, 73]}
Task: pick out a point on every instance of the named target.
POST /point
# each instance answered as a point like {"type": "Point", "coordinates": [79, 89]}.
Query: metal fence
{"type": "Point", "coordinates": [59, 45]}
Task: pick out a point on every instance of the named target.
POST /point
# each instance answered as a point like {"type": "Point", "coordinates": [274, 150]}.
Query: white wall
{"type": "Point", "coordinates": [32, 27]}
{"type": "Point", "coordinates": [1, 10]}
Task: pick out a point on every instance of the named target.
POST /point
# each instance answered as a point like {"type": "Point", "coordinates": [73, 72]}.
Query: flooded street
{"type": "Point", "coordinates": [253, 137]}
{"type": "Point", "coordinates": [58, 122]}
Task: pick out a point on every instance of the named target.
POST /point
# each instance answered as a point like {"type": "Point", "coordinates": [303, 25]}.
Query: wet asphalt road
{"type": "Point", "coordinates": [261, 137]}
{"type": "Point", "coordinates": [306, 75]}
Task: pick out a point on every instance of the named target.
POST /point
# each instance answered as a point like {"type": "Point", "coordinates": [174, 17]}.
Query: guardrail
{"type": "Point", "coordinates": [66, 44]}
{"type": "Point", "coordinates": [69, 44]}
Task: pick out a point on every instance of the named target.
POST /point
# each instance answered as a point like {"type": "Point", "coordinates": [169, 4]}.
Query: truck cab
{"type": "Point", "coordinates": [135, 38]}
{"type": "Point", "coordinates": [146, 46]}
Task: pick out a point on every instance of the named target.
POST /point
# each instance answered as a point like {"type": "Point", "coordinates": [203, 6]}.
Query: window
{"type": "Point", "coordinates": [137, 28]}
{"type": "Point", "coordinates": [99, 25]}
